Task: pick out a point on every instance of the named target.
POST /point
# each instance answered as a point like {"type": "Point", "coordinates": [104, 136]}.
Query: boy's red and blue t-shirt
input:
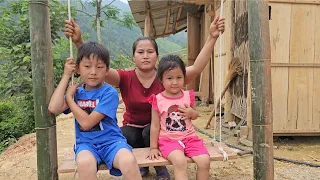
{"type": "Point", "coordinates": [104, 100]}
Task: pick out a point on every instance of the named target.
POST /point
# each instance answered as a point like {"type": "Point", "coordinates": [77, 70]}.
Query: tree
{"type": "Point", "coordinates": [15, 42]}
{"type": "Point", "coordinates": [15, 64]}
{"type": "Point", "coordinates": [104, 13]}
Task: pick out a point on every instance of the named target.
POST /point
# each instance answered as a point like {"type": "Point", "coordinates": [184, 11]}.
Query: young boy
{"type": "Point", "coordinates": [94, 106]}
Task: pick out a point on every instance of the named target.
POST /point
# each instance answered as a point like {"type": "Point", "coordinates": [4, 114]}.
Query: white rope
{"type": "Point", "coordinates": [72, 83]}
{"type": "Point", "coordinates": [70, 41]}
{"type": "Point", "coordinates": [221, 150]}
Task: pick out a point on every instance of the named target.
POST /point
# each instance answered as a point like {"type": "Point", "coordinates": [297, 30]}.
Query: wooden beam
{"type": "Point", "coordinates": [177, 19]}
{"type": "Point", "coordinates": [181, 27]}
{"type": "Point", "coordinates": [168, 21]}
{"type": "Point", "coordinates": [294, 131]}
{"type": "Point", "coordinates": [147, 25]}
{"type": "Point", "coordinates": [313, 65]}
{"type": "Point", "coordinates": [161, 8]}
{"type": "Point", "coordinates": [296, 1]}
{"type": "Point", "coordinates": [163, 35]}
{"type": "Point", "coordinates": [182, 19]}
{"type": "Point", "coordinates": [151, 20]}
{"type": "Point", "coordinates": [199, 2]}
{"type": "Point", "coordinates": [193, 45]}
{"type": "Point", "coordinates": [205, 75]}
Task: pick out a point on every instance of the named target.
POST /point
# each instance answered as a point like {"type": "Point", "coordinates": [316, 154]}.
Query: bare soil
{"type": "Point", "coordinates": [18, 162]}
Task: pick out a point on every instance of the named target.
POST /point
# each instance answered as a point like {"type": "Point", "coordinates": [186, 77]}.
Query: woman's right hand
{"type": "Point", "coordinates": [72, 29]}
{"type": "Point", "coordinates": [69, 67]}
{"type": "Point", "coordinates": [154, 154]}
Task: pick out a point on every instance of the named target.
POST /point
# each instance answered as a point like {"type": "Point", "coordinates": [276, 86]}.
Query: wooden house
{"type": "Point", "coordinates": [295, 60]}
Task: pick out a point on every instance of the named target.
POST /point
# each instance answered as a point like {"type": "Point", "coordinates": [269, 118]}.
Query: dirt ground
{"type": "Point", "coordinates": [19, 161]}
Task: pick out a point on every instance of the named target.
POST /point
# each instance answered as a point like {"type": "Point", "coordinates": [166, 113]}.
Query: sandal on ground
{"type": "Point", "coordinates": [162, 173]}
{"type": "Point", "coordinates": [144, 171]}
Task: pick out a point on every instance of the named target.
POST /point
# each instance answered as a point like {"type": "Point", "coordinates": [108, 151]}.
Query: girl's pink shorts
{"type": "Point", "coordinates": [191, 146]}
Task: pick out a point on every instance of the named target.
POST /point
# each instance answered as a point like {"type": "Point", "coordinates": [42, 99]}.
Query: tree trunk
{"type": "Point", "coordinates": [260, 73]}
{"type": "Point", "coordinates": [98, 21]}
{"type": "Point", "coordinates": [42, 76]}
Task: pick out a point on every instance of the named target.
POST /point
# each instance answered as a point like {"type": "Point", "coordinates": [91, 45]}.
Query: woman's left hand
{"type": "Point", "coordinates": [216, 27]}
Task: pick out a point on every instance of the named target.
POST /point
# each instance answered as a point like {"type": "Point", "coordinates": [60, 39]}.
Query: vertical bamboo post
{"type": "Point", "coordinates": [147, 25]}
{"type": "Point", "coordinates": [42, 76]}
{"type": "Point", "coordinates": [260, 69]}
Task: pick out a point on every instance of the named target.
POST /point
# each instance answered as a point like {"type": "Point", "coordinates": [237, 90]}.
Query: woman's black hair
{"type": "Point", "coordinates": [153, 42]}
{"type": "Point", "coordinates": [95, 49]}
{"type": "Point", "coordinates": [170, 62]}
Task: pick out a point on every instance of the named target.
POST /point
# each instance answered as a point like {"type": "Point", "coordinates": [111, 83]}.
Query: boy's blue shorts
{"type": "Point", "coordinates": [104, 153]}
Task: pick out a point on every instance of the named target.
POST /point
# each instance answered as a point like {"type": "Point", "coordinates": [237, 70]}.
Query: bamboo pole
{"type": "Point", "coordinates": [42, 76]}
{"type": "Point", "coordinates": [260, 69]}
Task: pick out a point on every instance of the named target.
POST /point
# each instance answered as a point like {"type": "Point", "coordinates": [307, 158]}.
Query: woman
{"type": "Point", "coordinates": [137, 85]}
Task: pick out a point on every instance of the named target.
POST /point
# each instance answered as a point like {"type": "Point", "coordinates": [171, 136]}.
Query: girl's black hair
{"type": "Point", "coordinates": [153, 42]}
{"type": "Point", "coordinates": [170, 62]}
{"type": "Point", "coordinates": [95, 49]}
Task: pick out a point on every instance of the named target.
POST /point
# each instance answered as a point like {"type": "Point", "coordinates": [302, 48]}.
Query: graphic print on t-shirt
{"type": "Point", "coordinates": [88, 106]}
{"type": "Point", "coordinates": [173, 121]}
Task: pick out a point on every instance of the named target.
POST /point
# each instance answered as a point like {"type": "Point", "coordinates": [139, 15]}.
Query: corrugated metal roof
{"type": "Point", "coordinates": [167, 16]}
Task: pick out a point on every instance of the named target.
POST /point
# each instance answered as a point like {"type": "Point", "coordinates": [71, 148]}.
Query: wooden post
{"type": "Point", "coordinates": [260, 72]}
{"type": "Point", "coordinates": [205, 75]}
{"type": "Point", "coordinates": [42, 76]}
{"type": "Point", "coordinates": [147, 24]}
{"type": "Point", "coordinates": [193, 45]}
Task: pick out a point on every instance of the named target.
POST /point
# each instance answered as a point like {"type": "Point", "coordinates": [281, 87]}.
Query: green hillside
{"type": "Point", "coordinates": [118, 39]}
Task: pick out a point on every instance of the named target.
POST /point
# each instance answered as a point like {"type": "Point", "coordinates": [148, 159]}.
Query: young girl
{"type": "Point", "coordinates": [172, 133]}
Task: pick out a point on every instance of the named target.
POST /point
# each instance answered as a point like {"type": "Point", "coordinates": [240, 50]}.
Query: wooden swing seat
{"type": "Point", "coordinates": [68, 165]}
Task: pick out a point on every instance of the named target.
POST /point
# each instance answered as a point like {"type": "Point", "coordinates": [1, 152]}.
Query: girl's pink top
{"type": "Point", "coordinates": [171, 125]}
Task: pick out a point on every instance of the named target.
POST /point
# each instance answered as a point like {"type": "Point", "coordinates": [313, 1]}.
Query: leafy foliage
{"type": "Point", "coordinates": [105, 12]}
{"type": "Point", "coordinates": [16, 119]}
{"type": "Point", "coordinates": [16, 97]}
{"type": "Point", "coordinates": [15, 42]}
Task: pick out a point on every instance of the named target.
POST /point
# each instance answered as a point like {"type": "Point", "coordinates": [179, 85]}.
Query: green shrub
{"type": "Point", "coordinates": [16, 119]}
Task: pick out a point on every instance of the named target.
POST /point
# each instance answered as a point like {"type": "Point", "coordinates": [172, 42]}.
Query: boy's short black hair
{"type": "Point", "coordinates": [170, 62]}
{"type": "Point", "coordinates": [95, 49]}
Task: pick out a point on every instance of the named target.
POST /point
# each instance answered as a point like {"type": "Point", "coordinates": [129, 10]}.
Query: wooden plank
{"type": "Point", "coordinates": [205, 75]}
{"type": "Point", "coordinates": [68, 165]}
{"type": "Point", "coordinates": [301, 79]}
{"type": "Point", "coordinates": [303, 65]}
{"type": "Point", "coordinates": [296, 1]}
{"type": "Point", "coordinates": [316, 73]}
{"type": "Point", "coordinates": [279, 39]}
{"type": "Point", "coordinates": [298, 131]}
{"type": "Point", "coordinates": [193, 44]}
